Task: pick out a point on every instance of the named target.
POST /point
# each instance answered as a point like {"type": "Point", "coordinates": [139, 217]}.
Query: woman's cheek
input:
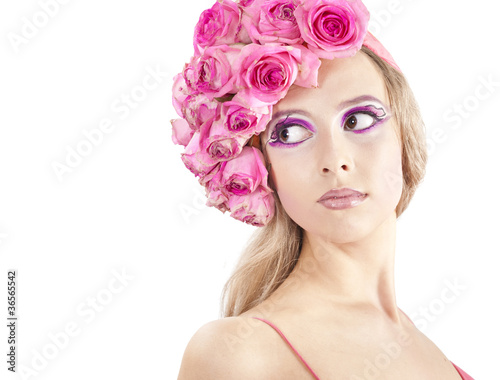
{"type": "Point", "coordinates": [393, 174]}
{"type": "Point", "coordinates": [291, 182]}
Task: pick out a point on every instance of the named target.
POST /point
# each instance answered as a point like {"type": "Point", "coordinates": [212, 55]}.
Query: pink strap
{"type": "Point", "coordinates": [462, 374]}
{"type": "Point", "coordinates": [293, 348]}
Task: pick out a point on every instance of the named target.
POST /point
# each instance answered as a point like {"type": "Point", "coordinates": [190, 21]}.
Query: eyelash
{"type": "Point", "coordinates": [366, 110]}
{"type": "Point", "coordinates": [274, 139]}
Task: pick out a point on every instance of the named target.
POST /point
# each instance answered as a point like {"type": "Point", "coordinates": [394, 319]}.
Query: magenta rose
{"type": "Point", "coordinates": [220, 144]}
{"type": "Point", "coordinates": [266, 72]}
{"type": "Point", "coordinates": [181, 132]}
{"type": "Point", "coordinates": [272, 21]}
{"type": "Point", "coordinates": [333, 28]}
{"type": "Point", "coordinates": [218, 25]}
{"type": "Point", "coordinates": [211, 73]}
{"type": "Point", "coordinates": [242, 121]}
{"type": "Point", "coordinates": [256, 208]}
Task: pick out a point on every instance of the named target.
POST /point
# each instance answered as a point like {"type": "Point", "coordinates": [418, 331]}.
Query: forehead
{"type": "Point", "coordinates": [339, 80]}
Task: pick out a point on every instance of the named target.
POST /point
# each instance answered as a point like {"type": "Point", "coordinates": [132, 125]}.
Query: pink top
{"type": "Point", "coordinates": [463, 375]}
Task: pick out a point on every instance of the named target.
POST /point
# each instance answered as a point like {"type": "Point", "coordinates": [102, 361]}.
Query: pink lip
{"type": "Point", "coordinates": [339, 199]}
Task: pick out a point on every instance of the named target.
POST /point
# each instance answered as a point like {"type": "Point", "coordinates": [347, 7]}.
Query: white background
{"type": "Point", "coordinates": [120, 208]}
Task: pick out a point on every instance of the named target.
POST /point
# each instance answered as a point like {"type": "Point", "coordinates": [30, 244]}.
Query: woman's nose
{"type": "Point", "coordinates": [335, 154]}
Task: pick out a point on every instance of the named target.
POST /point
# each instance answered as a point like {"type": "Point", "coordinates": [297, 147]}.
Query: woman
{"type": "Point", "coordinates": [341, 137]}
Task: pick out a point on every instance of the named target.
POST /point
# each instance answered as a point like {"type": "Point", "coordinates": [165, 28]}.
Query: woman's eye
{"type": "Point", "coordinates": [360, 121]}
{"type": "Point", "coordinates": [291, 134]}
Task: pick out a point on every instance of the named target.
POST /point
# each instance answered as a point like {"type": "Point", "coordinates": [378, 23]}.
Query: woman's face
{"type": "Point", "coordinates": [340, 135]}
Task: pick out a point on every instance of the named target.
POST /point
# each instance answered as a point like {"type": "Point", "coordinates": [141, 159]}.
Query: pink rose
{"type": "Point", "coordinates": [240, 186]}
{"type": "Point", "coordinates": [181, 132]}
{"type": "Point", "coordinates": [196, 159]}
{"type": "Point", "coordinates": [308, 68]}
{"type": "Point", "coordinates": [266, 72]}
{"type": "Point", "coordinates": [243, 174]}
{"type": "Point", "coordinates": [220, 144]}
{"type": "Point", "coordinates": [218, 25]}
{"type": "Point", "coordinates": [198, 109]}
{"type": "Point", "coordinates": [180, 92]}
{"type": "Point", "coordinates": [211, 73]}
{"type": "Point", "coordinates": [256, 208]}
{"type": "Point", "coordinates": [272, 21]}
{"type": "Point", "coordinates": [333, 28]}
{"type": "Point", "coordinates": [243, 121]}
{"type": "Point", "coordinates": [215, 197]}
{"type": "Point", "coordinates": [195, 108]}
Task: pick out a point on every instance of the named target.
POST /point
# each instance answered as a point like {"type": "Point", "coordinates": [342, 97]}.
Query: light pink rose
{"type": "Point", "coordinates": [308, 68]}
{"type": "Point", "coordinates": [218, 25]}
{"type": "Point", "coordinates": [181, 132]}
{"type": "Point", "coordinates": [241, 187]}
{"type": "Point", "coordinates": [211, 73]}
{"type": "Point", "coordinates": [219, 143]}
{"type": "Point", "coordinates": [243, 174]}
{"type": "Point", "coordinates": [198, 109]}
{"type": "Point", "coordinates": [196, 159]}
{"type": "Point", "coordinates": [333, 28]}
{"type": "Point", "coordinates": [256, 208]}
{"type": "Point", "coordinates": [272, 21]}
{"type": "Point", "coordinates": [180, 92]}
{"type": "Point", "coordinates": [266, 72]}
{"type": "Point", "coordinates": [243, 121]}
{"type": "Point", "coordinates": [215, 196]}
{"type": "Point", "coordinates": [195, 108]}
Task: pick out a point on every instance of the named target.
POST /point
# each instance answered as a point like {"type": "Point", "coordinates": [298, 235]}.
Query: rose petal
{"type": "Point", "coordinates": [256, 208]}
{"type": "Point", "coordinates": [181, 132]}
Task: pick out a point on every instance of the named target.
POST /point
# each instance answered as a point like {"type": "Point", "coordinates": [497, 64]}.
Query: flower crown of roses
{"type": "Point", "coordinates": [246, 57]}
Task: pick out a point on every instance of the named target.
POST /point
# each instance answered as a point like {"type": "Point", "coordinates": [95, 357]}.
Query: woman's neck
{"type": "Point", "coordinates": [357, 273]}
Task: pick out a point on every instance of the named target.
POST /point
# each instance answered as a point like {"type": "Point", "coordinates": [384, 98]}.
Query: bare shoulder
{"type": "Point", "coordinates": [228, 348]}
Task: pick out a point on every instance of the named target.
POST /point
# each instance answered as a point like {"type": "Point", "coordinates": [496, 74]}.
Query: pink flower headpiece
{"type": "Point", "coordinates": [246, 57]}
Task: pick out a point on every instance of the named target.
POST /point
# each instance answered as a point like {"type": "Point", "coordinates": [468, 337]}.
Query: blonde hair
{"type": "Point", "coordinates": [273, 251]}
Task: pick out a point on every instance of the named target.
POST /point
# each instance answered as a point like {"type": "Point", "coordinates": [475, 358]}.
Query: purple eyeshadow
{"type": "Point", "coordinates": [287, 123]}
{"type": "Point", "coordinates": [290, 121]}
{"type": "Point", "coordinates": [377, 113]}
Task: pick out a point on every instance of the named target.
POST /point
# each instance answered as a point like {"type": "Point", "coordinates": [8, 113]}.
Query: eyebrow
{"type": "Point", "coordinates": [289, 112]}
{"type": "Point", "coordinates": [358, 99]}
{"type": "Point", "coordinates": [344, 104]}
